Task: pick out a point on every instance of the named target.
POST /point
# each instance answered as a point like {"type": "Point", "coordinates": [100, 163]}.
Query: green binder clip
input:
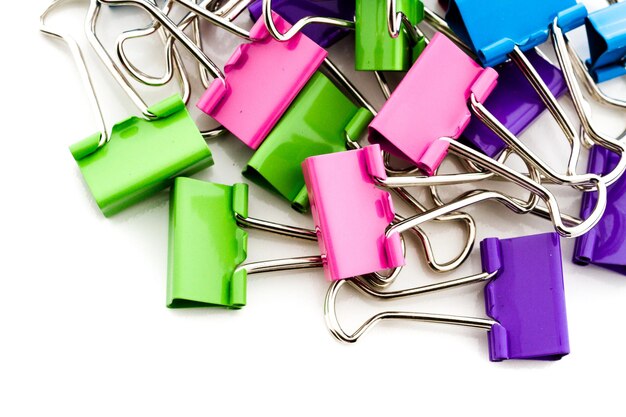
{"type": "Point", "coordinates": [386, 39]}
{"type": "Point", "coordinates": [207, 245]}
{"type": "Point", "coordinates": [385, 35]}
{"type": "Point", "coordinates": [321, 120]}
{"type": "Point", "coordinates": [141, 155]}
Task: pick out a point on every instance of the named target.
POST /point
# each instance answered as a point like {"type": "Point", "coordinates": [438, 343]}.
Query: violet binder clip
{"type": "Point", "coordinates": [207, 245]}
{"type": "Point", "coordinates": [138, 156]}
{"type": "Point", "coordinates": [524, 299]}
{"type": "Point", "coordinates": [605, 244]}
{"type": "Point", "coordinates": [514, 102]}
{"type": "Point", "coordinates": [294, 10]}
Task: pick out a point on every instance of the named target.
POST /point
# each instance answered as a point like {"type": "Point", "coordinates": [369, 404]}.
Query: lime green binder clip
{"type": "Point", "coordinates": [141, 155]}
{"type": "Point", "coordinates": [321, 120]}
{"type": "Point", "coordinates": [386, 38]}
{"type": "Point", "coordinates": [207, 245]}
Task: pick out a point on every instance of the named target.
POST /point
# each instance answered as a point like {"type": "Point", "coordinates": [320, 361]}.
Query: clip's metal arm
{"type": "Point", "coordinates": [584, 181]}
{"type": "Point", "coordinates": [90, 30]}
{"type": "Point", "coordinates": [396, 20]}
{"type": "Point", "coordinates": [441, 25]}
{"type": "Point", "coordinates": [287, 264]}
{"type": "Point", "coordinates": [171, 27]}
{"type": "Point", "coordinates": [83, 70]}
{"type": "Point", "coordinates": [170, 50]}
{"type": "Point", "coordinates": [276, 228]}
{"type": "Point", "coordinates": [347, 85]}
{"type": "Point", "coordinates": [466, 219]}
{"type": "Point", "coordinates": [335, 328]}
{"type": "Point", "coordinates": [613, 144]}
{"type": "Point", "coordinates": [513, 204]}
{"type": "Point", "coordinates": [223, 22]}
{"type": "Point", "coordinates": [299, 25]}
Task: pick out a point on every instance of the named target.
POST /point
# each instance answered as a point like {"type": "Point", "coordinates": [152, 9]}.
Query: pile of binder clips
{"type": "Point", "coordinates": [467, 91]}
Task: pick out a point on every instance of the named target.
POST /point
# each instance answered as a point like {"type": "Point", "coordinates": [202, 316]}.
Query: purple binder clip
{"type": "Point", "coordinates": [524, 298]}
{"type": "Point", "coordinates": [514, 102]}
{"type": "Point", "coordinates": [605, 244]}
{"type": "Point", "coordinates": [294, 10]}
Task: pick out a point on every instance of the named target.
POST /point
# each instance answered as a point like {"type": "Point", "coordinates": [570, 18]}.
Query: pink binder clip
{"type": "Point", "coordinates": [431, 103]}
{"type": "Point", "coordinates": [262, 79]}
{"type": "Point", "coordinates": [351, 213]}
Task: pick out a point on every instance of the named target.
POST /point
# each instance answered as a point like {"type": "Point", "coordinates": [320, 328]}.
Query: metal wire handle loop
{"type": "Point", "coordinates": [81, 64]}
{"type": "Point", "coordinates": [332, 321]}
{"type": "Point", "coordinates": [299, 25]}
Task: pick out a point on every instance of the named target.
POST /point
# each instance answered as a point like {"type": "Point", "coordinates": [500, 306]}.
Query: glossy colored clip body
{"type": "Point", "coordinates": [376, 49]}
{"type": "Point", "coordinates": [494, 28]}
{"type": "Point", "coordinates": [262, 78]}
{"type": "Point", "coordinates": [605, 244]}
{"type": "Point", "coordinates": [431, 103]}
{"type": "Point", "coordinates": [606, 33]}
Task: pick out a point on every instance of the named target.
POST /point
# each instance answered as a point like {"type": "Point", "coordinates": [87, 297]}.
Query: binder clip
{"type": "Point", "coordinates": [606, 32]}
{"type": "Point", "coordinates": [207, 245]}
{"type": "Point", "coordinates": [320, 120]}
{"type": "Point", "coordinates": [235, 103]}
{"type": "Point", "coordinates": [605, 244]}
{"type": "Point", "coordinates": [139, 156]}
{"type": "Point", "coordinates": [387, 38]}
{"type": "Point", "coordinates": [505, 29]}
{"type": "Point", "coordinates": [524, 300]}
{"type": "Point", "coordinates": [466, 83]}
{"type": "Point", "coordinates": [514, 102]}
{"type": "Point", "coordinates": [443, 70]}
{"type": "Point", "coordinates": [358, 232]}
{"type": "Point", "coordinates": [292, 11]}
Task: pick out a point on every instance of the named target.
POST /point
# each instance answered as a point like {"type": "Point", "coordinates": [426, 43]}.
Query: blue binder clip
{"type": "Point", "coordinates": [605, 244]}
{"type": "Point", "coordinates": [606, 33]}
{"type": "Point", "coordinates": [505, 29]}
{"type": "Point", "coordinates": [524, 298]}
{"type": "Point", "coordinates": [494, 30]}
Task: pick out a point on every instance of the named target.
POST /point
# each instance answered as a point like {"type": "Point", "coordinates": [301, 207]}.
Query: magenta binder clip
{"type": "Point", "coordinates": [605, 244]}
{"type": "Point", "coordinates": [431, 103]}
{"type": "Point", "coordinates": [524, 298]}
{"type": "Point", "coordinates": [262, 79]}
{"type": "Point", "coordinates": [351, 213]}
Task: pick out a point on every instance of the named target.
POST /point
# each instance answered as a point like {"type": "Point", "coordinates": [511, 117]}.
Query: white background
{"type": "Point", "coordinates": [83, 324]}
